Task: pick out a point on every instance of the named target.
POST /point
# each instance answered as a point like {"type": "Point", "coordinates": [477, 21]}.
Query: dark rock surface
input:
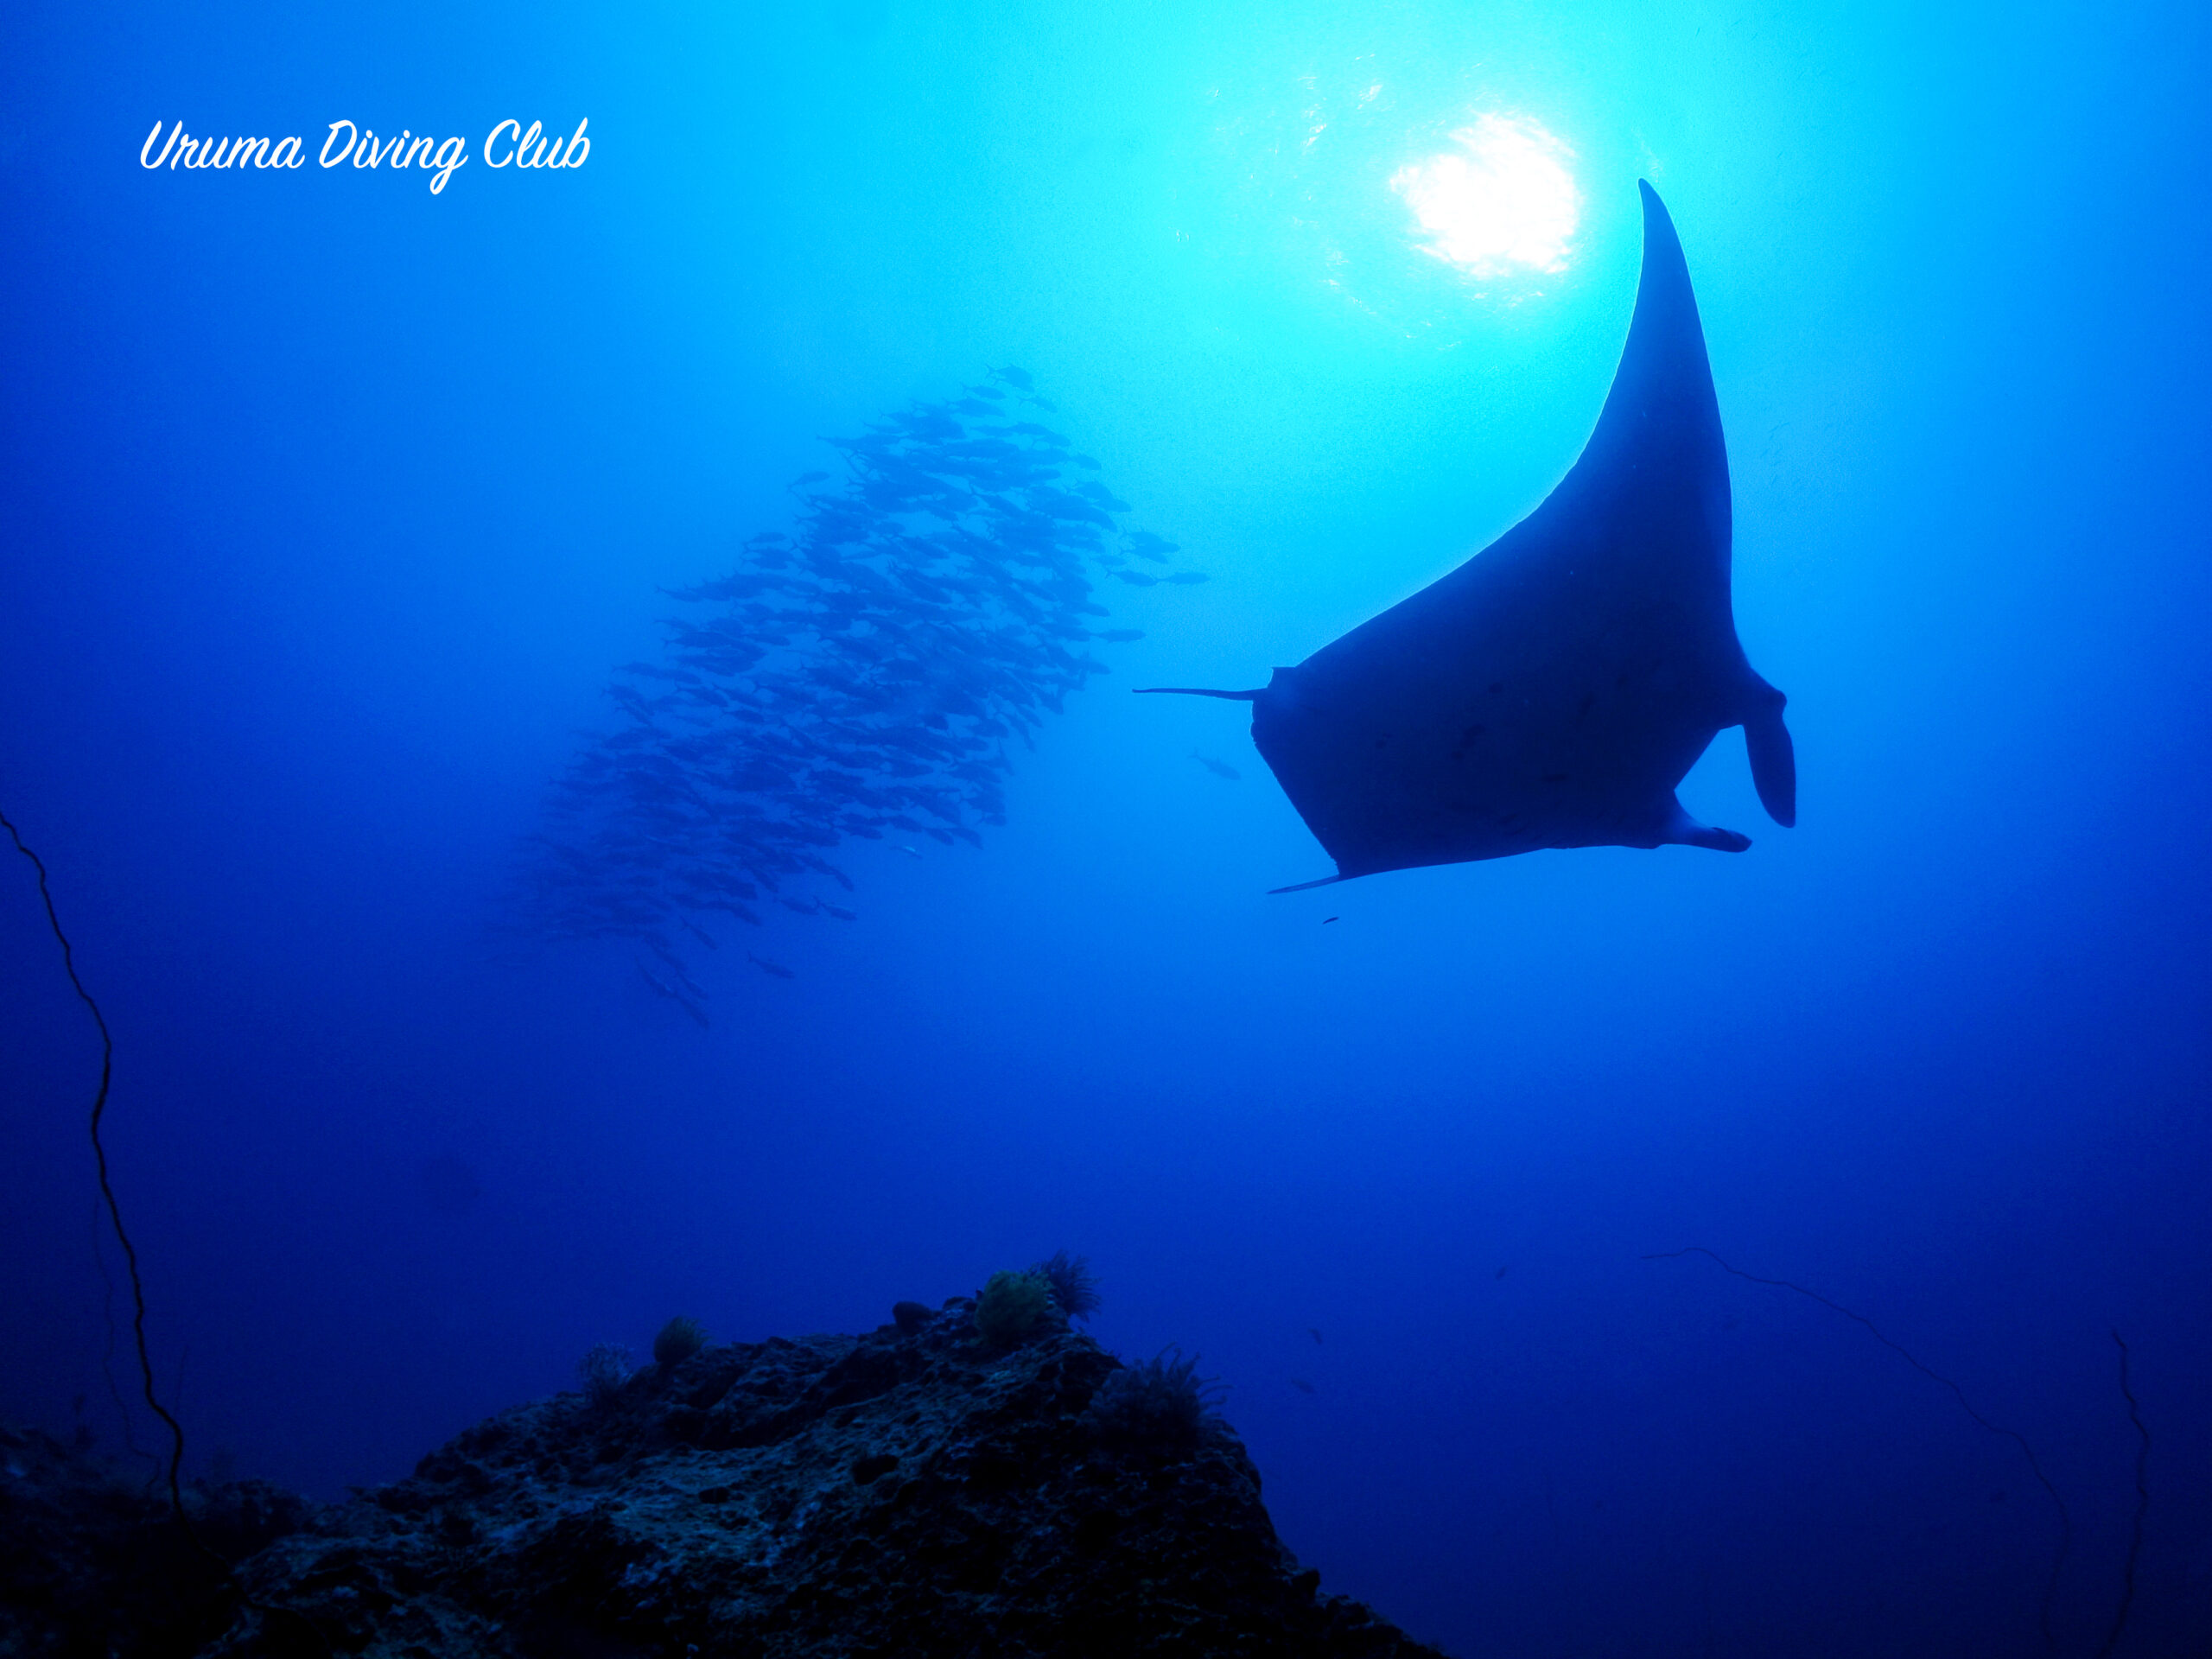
{"type": "Point", "coordinates": [94, 1564]}
{"type": "Point", "coordinates": [911, 1491]}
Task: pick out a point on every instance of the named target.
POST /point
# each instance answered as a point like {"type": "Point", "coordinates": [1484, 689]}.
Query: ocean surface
{"type": "Point", "coordinates": [332, 506]}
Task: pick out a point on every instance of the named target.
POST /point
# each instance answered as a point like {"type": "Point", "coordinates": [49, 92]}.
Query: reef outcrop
{"type": "Point", "coordinates": [914, 1490]}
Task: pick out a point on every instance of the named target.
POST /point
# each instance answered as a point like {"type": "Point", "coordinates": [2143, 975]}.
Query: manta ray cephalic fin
{"type": "Point", "coordinates": [1774, 762]}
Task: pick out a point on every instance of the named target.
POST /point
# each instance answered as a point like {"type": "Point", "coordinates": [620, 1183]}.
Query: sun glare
{"type": "Point", "coordinates": [1503, 200]}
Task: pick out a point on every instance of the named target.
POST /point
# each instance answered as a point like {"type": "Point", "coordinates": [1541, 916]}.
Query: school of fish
{"type": "Point", "coordinates": [858, 675]}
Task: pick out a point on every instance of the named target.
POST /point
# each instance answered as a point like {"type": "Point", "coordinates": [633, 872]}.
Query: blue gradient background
{"type": "Point", "coordinates": [327, 506]}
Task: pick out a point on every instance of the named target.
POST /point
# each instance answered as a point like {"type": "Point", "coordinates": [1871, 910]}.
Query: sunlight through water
{"type": "Point", "coordinates": [1503, 200]}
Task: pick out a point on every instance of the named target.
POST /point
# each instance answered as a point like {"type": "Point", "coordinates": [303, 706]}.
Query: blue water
{"type": "Point", "coordinates": [331, 506]}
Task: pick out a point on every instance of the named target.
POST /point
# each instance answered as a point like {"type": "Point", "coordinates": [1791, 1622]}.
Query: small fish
{"type": "Point", "coordinates": [1326, 920]}
{"type": "Point", "coordinates": [1016, 378]}
{"type": "Point", "coordinates": [1119, 636]}
{"type": "Point", "coordinates": [1186, 577]}
{"type": "Point", "coordinates": [1500, 1273]}
{"type": "Point", "coordinates": [810, 477]}
{"type": "Point", "coordinates": [1138, 579]}
{"type": "Point", "coordinates": [909, 851]}
{"type": "Point", "coordinates": [1311, 1333]}
{"type": "Point", "coordinates": [1219, 768]}
{"type": "Point", "coordinates": [766, 967]}
{"type": "Point", "coordinates": [701, 935]}
{"type": "Point", "coordinates": [675, 996]}
{"type": "Point", "coordinates": [674, 963]}
{"type": "Point", "coordinates": [1301, 1385]}
{"type": "Point", "coordinates": [840, 912]}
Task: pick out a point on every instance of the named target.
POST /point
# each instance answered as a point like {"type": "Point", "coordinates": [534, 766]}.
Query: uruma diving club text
{"type": "Point", "coordinates": [508, 144]}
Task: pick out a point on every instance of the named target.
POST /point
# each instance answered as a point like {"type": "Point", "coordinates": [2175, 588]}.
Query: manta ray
{"type": "Point", "coordinates": [1553, 690]}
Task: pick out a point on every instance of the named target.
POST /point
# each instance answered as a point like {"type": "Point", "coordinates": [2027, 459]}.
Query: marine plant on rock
{"type": "Point", "coordinates": [604, 1370]}
{"type": "Point", "coordinates": [1163, 1407]}
{"type": "Point", "coordinates": [1073, 1288]}
{"type": "Point", "coordinates": [680, 1339]}
{"type": "Point", "coordinates": [1014, 1307]}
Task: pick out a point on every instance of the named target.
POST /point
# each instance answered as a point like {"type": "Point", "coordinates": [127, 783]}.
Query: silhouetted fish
{"type": "Point", "coordinates": [674, 995]}
{"type": "Point", "coordinates": [1219, 768]}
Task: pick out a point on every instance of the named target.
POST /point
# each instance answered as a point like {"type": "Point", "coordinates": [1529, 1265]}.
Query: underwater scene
{"type": "Point", "coordinates": [621, 1037]}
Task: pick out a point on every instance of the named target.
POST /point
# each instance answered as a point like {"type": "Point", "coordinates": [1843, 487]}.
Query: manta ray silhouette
{"type": "Point", "coordinates": [1553, 689]}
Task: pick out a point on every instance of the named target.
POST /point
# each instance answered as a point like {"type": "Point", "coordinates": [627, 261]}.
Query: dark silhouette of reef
{"type": "Point", "coordinates": [915, 1491]}
{"type": "Point", "coordinates": [94, 1564]}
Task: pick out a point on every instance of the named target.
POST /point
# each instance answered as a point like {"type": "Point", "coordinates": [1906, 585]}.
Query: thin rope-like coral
{"type": "Point", "coordinates": [2142, 1506]}
{"type": "Point", "coordinates": [107, 1185]}
{"type": "Point", "coordinates": [130, 1260]}
{"type": "Point", "coordinates": [2065, 1520]}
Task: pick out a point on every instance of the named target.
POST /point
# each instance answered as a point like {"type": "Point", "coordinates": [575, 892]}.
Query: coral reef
{"type": "Point", "coordinates": [94, 1564]}
{"type": "Point", "coordinates": [906, 1492]}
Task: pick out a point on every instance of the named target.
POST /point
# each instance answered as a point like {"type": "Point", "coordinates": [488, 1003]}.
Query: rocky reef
{"type": "Point", "coordinates": [915, 1491]}
{"type": "Point", "coordinates": [93, 1564]}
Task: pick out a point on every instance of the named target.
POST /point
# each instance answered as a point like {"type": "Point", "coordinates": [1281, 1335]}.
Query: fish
{"type": "Point", "coordinates": [1301, 1385]}
{"type": "Point", "coordinates": [767, 967]}
{"type": "Point", "coordinates": [1554, 690]}
{"type": "Point", "coordinates": [861, 674]}
{"type": "Point", "coordinates": [675, 996]}
{"type": "Point", "coordinates": [1219, 768]}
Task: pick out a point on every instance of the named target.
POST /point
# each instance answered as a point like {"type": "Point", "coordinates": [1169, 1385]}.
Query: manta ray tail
{"type": "Point", "coordinates": [1326, 881]}
{"type": "Point", "coordinates": [1196, 691]}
